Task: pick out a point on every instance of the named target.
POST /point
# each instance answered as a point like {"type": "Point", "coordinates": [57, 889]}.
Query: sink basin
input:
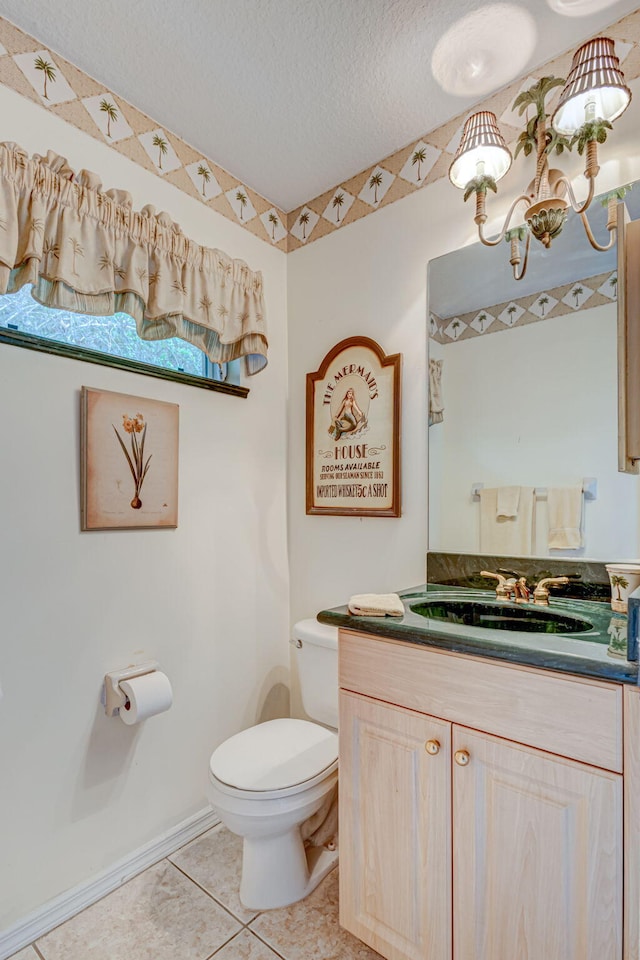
{"type": "Point", "coordinates": [494, 615]}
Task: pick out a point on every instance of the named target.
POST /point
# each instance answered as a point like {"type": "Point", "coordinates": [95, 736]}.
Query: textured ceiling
{"type": "Point", "coordinates": [291, 96]}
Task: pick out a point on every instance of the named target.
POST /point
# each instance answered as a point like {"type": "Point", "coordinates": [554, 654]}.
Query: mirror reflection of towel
{"type": "Point", "coordinates": [507, 503]}
{"type": "Point", "coordinates": [436, 408]}
{"type": "Point", "coordinates": [506, 536]}
{"type": "Point", "coordinates": [564, 509]}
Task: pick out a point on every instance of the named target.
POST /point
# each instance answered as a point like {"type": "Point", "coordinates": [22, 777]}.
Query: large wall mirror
{"type": "Point", "coordinates": [529, 389]}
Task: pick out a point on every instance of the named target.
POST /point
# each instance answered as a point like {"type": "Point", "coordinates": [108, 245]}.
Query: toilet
{"type": "Point", "coordinates": [265, 782]}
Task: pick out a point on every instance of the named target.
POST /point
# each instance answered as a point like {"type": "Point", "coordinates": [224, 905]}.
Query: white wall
{"type": "Point", "coordinates": [533, 406]}
{"type": "Point", "coordinates": [367, 279]}
{"type": "Point", "coordinates": [209, 600]}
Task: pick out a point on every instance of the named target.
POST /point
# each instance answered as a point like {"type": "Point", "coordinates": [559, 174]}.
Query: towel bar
{"type": "Point", "coordinates": [589, 490]}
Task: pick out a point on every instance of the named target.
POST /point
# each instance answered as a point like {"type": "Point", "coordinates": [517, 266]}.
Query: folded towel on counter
{"type": "Point", "coordinates": [564, 509]}
{"type": "Point", "coordinates": [507, 502]}
{"type": "Point", "coordinates": [376, 605]}
{"type": "Point", "coordinates": [506, 536]}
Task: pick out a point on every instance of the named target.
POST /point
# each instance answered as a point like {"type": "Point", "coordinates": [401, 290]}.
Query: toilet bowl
{"type": "Point", "coordinates": [266, 781]}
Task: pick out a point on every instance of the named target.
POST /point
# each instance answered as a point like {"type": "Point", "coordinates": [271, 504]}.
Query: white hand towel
{"type": "Point", "coordinates": [436, 408]}
{"type": "Point", "coordinates": [507, 502]}
{"type": "Point", "coordinates": [564, 509]}
{"type": "Point", "coordinates": [376, 605]}
{"type": "Point", "coordinates": [507, 537]}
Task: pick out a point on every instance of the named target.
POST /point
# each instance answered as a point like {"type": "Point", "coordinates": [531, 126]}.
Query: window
{"type": "Point", "coordinates": [114, 336]}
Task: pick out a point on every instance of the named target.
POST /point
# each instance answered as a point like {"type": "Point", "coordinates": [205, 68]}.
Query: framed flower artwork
{"type": "Point", "coordinates": [129, 461]}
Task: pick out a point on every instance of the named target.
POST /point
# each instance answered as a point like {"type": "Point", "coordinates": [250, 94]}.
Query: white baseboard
{"type": "Point", "coordinates": [55, 912]}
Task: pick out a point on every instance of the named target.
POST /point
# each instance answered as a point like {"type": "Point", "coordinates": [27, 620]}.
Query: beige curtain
{"type": "Point", "coordinates": [87, 250]}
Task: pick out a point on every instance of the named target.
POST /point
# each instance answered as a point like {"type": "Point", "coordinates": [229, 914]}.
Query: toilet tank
{"type": "Point", "coordinates": [316, 646]}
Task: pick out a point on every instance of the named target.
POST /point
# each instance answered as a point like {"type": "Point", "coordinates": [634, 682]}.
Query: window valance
{"type": "Point", "coordinates": [87, 250]}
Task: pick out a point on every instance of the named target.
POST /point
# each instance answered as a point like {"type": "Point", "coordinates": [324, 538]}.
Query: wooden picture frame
{"type": "Point", "coordinates": [128, 461]}
{"type": "Point", "coordinates": [353, 432]}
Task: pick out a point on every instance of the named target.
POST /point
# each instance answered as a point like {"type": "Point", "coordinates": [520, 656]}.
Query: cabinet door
{"type": "Point", "coordinates": [537, 854]}
{"type": "Point", "coordinates": [395, 839]}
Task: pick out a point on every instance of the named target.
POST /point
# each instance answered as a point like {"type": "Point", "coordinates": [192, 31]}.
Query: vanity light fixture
{"type": "Point", "coordinates": [594, 95]}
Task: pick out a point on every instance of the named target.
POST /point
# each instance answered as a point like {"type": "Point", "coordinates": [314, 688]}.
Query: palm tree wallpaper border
{"type": "Point", "coordinates": [423, 161]}
{"type": "Point", "coordinates": [534, 308]}
{"type": "Point", "coordinates": [162, 146]}
{"type": "Point", "coordinates": [111, 112]}
{"type": "Point", "coordinates": [48, 71]}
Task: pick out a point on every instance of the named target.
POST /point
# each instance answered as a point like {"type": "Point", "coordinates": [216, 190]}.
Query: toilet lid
{"type": "Point", "coordinates": [274, 755]}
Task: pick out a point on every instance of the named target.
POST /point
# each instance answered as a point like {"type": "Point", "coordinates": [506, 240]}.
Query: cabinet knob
{"type": "Point", "coordinates": [432, 747]}
{"type": "Point", "coordinates": [462, 757]}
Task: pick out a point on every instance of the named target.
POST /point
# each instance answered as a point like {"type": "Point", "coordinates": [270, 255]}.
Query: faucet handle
{"type": "Point", "coordinates": [510, 573]}
{"type": "Point", "coordinates": [505, 587]}
{"type": "Point", "coordinates": [494, 576]}
{"type": "Point", "coordinates": [541, 592]}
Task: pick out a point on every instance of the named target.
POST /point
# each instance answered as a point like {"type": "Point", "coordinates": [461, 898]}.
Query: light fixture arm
{"type": "Point", "coordinates": [515, 258]}
{"type": "Point", "coordinates": [592, 240]}
{"type": "Point", "coordinates": [580, 209]}
{"type": "Point", "coordinates": [577, 207]}
{"type": "Point", "coordinates": [591, 171]}
{"type": "Point", "coordinates": [481, 218]}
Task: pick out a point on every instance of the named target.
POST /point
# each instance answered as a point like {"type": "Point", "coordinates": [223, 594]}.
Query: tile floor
{"type": "Point", "coordinates": [187, 908]}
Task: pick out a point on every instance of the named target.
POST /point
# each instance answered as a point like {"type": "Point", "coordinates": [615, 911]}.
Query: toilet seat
{"type": "Point", "coordinates": [274, 759]}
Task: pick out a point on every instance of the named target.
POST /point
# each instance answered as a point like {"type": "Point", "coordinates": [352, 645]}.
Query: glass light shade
{"type": "Point", "coordinates": [596, 78]}
{"type": "Point", "coordinates": [481, 143]}
{"type": "Point", "coordinates": [579, 8]}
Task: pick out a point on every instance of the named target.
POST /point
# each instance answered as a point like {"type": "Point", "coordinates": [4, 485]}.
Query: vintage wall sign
{"type": "Point", "coordinates": [353, 432]}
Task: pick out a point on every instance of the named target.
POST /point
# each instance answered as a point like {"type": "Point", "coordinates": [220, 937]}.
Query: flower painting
{"type": "Point", "coordinates": [137, 464]}
{"type": "Point", "coordinates": [129, 461]}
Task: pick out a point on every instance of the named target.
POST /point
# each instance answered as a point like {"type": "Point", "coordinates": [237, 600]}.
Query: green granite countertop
{"type": "Point", "coordinates": [587, 653]}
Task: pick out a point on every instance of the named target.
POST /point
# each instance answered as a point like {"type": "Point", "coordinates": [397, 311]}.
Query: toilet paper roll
{"type": "Point", "coordinates": [146, 696]}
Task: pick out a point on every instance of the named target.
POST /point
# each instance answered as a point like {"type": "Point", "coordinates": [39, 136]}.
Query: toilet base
{"type": "Point", "coordinates": [278, 871]}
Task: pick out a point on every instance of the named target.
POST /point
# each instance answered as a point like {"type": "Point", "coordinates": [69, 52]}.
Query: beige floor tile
{"type": "Point", "coordinates": [159, 915]}
{"type": "Point", "coordinates": [245, 947]}
{"type": "Point", "coordinates": [214, 861]}
{"type": "Point", "coordinates": [309, 930]}
{"type": "Point", "coordinates": [29, 954]}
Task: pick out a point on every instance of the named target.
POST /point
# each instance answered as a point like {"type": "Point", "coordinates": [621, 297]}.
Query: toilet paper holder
{"type": "Point", "coordinates": [112, 696]}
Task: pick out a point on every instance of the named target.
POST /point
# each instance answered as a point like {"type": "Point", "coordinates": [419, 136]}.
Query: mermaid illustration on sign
{"type": "Point", "coordinates": [349, 419]}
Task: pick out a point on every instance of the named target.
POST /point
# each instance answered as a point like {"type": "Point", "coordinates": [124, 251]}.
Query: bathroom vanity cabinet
{"type": "Point", "coordinates": [488, 810]}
